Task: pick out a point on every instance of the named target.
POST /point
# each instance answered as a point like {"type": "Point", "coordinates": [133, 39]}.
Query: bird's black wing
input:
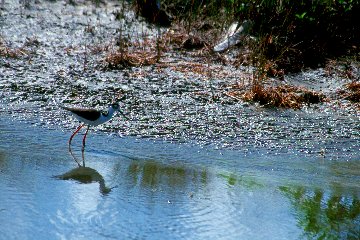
{"type": "Point", "coordinates": [89, 114]}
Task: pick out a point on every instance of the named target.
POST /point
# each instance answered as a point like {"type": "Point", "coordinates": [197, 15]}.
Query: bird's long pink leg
{"type": "Point", "coordinates": [85, 137]}
{"type": "Point", "coordinates": [76, 131]}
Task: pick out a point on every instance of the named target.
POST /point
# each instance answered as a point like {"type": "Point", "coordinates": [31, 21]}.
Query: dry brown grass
{"type": "Point", "coordinates": [178, 37]}
{"type": "Point", "coordinates": [284, 96]}
{"type": "Point", "coordinates": [352, 92]}
{"type": "Point", "coordinates": [140, 53]}
{"type": "Point", "coordinates": [342, 68]}
{"type": "Point", "coordinates": [149, 51]}
{"type": "Point", "coordinates": [12, 52]}
{"type": "Point", "coordinates": [118, 60]}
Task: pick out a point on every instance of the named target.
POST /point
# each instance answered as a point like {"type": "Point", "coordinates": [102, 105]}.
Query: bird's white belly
{"type": "Point", "coordinates": [98, 121]}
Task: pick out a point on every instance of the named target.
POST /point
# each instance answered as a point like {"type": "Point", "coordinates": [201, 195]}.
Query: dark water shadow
{"type": "Point", "coordinates": [332, 212]}
{"type": "Point", "coordinates": [83, 174]}
{"type": "Point", "coordinates": [325, 215]}
{"type": "Point", "coordinates": [2, 160]}
{"type": "Point", "coordinates": [152, 174]}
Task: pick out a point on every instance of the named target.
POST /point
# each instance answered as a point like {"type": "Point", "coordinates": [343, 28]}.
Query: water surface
{"type": "Point", "coordinates": [146, 189]}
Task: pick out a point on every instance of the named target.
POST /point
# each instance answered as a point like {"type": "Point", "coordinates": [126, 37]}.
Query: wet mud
{"type": "Point", "coordinates": [53, 53]}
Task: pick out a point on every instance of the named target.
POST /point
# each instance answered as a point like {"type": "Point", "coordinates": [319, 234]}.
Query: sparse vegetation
{"type": "Point", "coordinates": [118, 60]}
{"type": "Point", "coordinates": [284, 96]}
{"type": "Point", "coordinates": [352, 92]}
{"type": "Point", "coordinates": [9, 52]}
{"type": "Point", "coordinates": [290, 34]}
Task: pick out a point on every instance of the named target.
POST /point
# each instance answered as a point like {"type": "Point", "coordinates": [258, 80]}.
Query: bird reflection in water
{"type": "Point", "coordinates": [83, 174]}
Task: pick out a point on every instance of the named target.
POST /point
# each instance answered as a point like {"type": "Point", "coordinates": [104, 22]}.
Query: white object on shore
{"type": "Point", "coordinates": [233, 36]}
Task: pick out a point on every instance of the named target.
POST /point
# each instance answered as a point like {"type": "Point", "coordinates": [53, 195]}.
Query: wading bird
{"type": "Point", "coordinates": [92, 117]}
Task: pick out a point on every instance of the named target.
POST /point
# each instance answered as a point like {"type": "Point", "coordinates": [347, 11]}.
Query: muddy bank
{"type": "Point", "coordinates": [58, 56]}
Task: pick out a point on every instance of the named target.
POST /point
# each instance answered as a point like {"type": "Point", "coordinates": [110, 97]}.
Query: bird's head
{"type": "Point", "coordinates": [116, 107]}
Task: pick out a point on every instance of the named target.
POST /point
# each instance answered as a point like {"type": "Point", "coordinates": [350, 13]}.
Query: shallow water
{"type": "Point", "coordinates": [135, 188]}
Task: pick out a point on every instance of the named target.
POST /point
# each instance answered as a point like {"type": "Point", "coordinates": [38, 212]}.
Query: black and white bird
{"type": "Point", "coordinates": [92, 117]}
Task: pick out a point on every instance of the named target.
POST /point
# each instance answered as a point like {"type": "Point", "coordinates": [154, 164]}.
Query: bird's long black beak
{"type": "Point", "coordinates": [123, 114]}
